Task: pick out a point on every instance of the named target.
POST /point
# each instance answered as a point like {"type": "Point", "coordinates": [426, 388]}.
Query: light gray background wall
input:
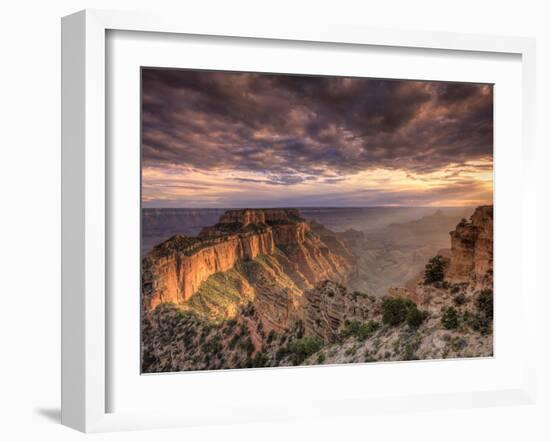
{"type": "Point", "coordinates": [30, 215]}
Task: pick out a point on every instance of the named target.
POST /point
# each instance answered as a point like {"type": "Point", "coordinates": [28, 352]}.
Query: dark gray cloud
{"type": "Point", "coordinates": [289, 128]}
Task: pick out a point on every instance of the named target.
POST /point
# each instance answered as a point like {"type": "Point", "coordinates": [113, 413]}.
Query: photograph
{"type": "Point", "coordinates": [302, 220]}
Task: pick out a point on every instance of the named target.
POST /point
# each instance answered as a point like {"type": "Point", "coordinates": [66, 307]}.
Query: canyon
{"type": "Point", "coordinates": [266, 287]}
{"type": "Point", "coordinates": [174, 271]}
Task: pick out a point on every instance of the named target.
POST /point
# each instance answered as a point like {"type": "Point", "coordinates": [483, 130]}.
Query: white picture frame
{"type": "Point", "coordinates": [86, 205]}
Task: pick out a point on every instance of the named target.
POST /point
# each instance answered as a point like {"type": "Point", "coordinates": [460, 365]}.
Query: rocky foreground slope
{"type": "Point", "coordinates": [270, 290]}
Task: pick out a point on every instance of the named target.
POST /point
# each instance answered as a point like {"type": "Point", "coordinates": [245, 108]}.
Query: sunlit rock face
{"type": "Point", "coordinates": [259, 216]}
{"type": "Point", "coordinates": [472, 249]}
{"type": "Point", "coordinates": [174, 270]}
{"type": "Point", "coordinates": [178, 275]}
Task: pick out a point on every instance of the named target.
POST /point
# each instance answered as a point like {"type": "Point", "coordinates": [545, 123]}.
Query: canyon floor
{"type": "Point", "coordinates": [268, 288]}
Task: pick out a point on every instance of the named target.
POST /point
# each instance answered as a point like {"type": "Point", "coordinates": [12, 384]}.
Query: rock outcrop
{"type": "Point", "coordinates": [174, 270]}
{"type": "Point", "coordinates": [244, 217]}
{"type": "Point", "coordinates": [329, 305]}
{"type": "Point", "coordinates": [471, 258]}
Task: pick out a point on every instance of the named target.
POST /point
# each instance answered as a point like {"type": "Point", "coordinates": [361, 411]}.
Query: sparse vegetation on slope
{"type": "Point", "coordinates": [221, 295]}
{"type": "Point", "coordinates": [392, 329]}
{"type": "Point", "coordinates": [299, 349]}
{"type": "Point", "coordinates": [360, 330]}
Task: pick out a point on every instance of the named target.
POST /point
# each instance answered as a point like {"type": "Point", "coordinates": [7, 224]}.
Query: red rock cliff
{"type": "Point", "coordinates": [472, 249]}
{"type": "Point", "coordinates": [177, 271]}
{"type": "Point", "coordinates": [174, 270]}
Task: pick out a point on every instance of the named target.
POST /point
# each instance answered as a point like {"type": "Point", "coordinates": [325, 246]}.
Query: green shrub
{"type": "Point", "coordinates": [415, 317]}
{"type": "Point", "coordinates": [395, 311]}
{"type": "Point", "coordinates": [361, 330]}
{"type": "Point", "coordinates": [435, 270]}
{"type": "Point", "coordinates": [321, 358]}
{"type": "Point", "coordinates": [259, 360]}
{"type": "Point", "coordinates": [147, 359]}
{"type": "Point", "coordinates": [281, 354]}
{"type": "Point", "coordinates": [300, 349]}
{"type": "Point", "coordinates": [484, 303]}
{"type": "Point", "coordinates": [449, 320]}
{"type": "Point", "coordinates": [482, 320]}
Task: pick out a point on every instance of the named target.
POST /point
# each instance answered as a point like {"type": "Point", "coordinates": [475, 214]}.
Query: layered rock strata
{"type": "Point", "coordinates": [329, 305]}
{"type": "Point", "coordinates": [174, 271]}
{"type": "Point", "coordinates": [471, 258]}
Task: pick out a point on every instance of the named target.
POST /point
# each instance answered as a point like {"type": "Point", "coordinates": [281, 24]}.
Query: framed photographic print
{"type": "Point", "coordinates": [304, 220]}
{"type": "Point", "coordinates": [251, 212]}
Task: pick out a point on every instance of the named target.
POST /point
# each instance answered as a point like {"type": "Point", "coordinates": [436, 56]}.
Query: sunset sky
{"type": "Point", "coordinates": [215, 139]}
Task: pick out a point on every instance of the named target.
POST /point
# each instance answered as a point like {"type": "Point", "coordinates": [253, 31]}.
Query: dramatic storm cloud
{"type": "Point", "coordinates": [240, 139]}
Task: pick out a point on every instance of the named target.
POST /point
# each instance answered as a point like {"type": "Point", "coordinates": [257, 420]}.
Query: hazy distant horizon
{"type": "Point", "coordinates": [161, 223]}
